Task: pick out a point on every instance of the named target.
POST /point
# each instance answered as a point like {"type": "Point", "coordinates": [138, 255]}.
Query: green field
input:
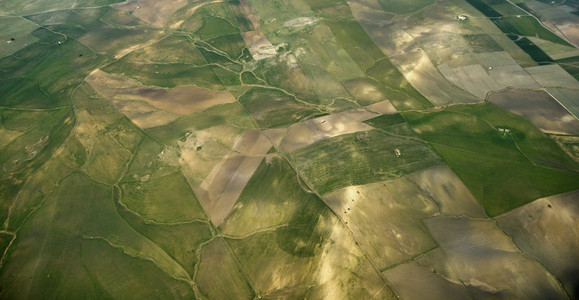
{"type": "Point", "coordinates": [491, 162]}
{"type": "Point", "coordinates": [272, 108]}
{"type": "Point", "coordinates": [266, 149]}
{"type": "Point", "coordinates": [401, 7]}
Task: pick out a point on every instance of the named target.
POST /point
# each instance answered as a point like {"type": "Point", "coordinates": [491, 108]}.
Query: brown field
{"type": "Point", "coordinates": [539, 108]}
{"type": "Point", "coordinates": [382, 107]}
{"type": "Point", "coordinates": [305, 133]}
{"type": "Point", "coordinates": [275, 135]}
{"type": "Point", "coordinates": [452, 197]}
{"type": "Point", "coordinates": [548, 230]}
{"type": "Point", "coordinates": [363, 91]}
{"type": "Point", "coordinates": [386, 217]}
{"type": "Point", "coordinates": [155, 12]}
{"type": "Point", "coordinates": [203, 149]}
{"type": "Point", "coordinates": [143, 114]}
{"type": "Point", "coordinates": [182, 100]}
{"type": "Point", "coordinates": [221, 188]}
{"type": "Point", "coordinates": [413, 281]}
{"type": "Point", "coordinates": [487, 261]}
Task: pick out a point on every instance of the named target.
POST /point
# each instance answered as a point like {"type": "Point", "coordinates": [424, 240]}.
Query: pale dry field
{"type": "Point", "coordinates": [363, 91]}
{"type": "Point", "coordinates": [400, 42]}
{"type": "Point", "coordinates": [386, 218]}
{"type": "Point", "coordinates": [451, 196]}
{"type": "Point", "coordinates": [337, 270]}
{"type": "Point", "coordinates": [223, 185]}
{"type": "Point", "coordinates": [488, 263]}
{"type": "Point", "coordinates": [413, 281]}
{"type": "Point", "coordinates": [481, 73]}
{"type": "Point", "coordinates": [308, 132]}
{"type": "Point", "coordinates": [201, 150]}
{"type": "Point", "coordinates": [181, 100]}
{"type": "Point", "coordinates": [155, 12]}
{"type": "Point", "coordinates": [382, 107]}
{"type": "Point", "coordinates": [547, 229]}
{"type": "Point", "coordinates": [143, 114]}
{"type": "Point", "coordinates": [553, 76]}
{"type": "Point", "coordinates": [539, 108]}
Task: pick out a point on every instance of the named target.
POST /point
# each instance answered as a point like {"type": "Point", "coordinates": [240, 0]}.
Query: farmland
{"type": "Point", "coordinates": [471, 133]}
{"type": "Point", "coordinates": [288, 149]}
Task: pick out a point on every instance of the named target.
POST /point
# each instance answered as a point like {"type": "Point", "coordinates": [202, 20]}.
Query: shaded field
{"type": "Point", "coordinates": [539, 108]}
{"type": "Point", "coordinates": [571, 65]}
{"type": "Point", "coordinates": [316, 255]}
{"type": "Point", "coordinates": [547, 230]}
{"type": "Point", "coordinates": [469, 245]}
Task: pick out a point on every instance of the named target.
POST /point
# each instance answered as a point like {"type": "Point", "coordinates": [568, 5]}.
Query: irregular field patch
{"type": "Point", "coordinates": [360, 158]}
{"type": "Point", "coordinates": [547, 230]}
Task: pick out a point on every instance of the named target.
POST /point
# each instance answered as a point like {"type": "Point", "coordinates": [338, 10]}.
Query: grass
{"type": "Point", "coordinates": [79, 222]}
{"type": "Point", "coordinates": [244, 23]}
{"type": "Point", "coordinates": [179, 240]}
{"type": "Point", "coordinates": [43, 181]}
{"type": "Point", "coordinates": [249, 78]}
{"type": "Point", "coordinates": [23, 120]}
{"type": "Point", "coordinates": [384, 121]}
{"type": "Point", "coordinates": [25, 92]}
{"type": "Point", "coordinates": [232, 44]}
{"type": "Point", "coordinates": [35, 6]}
{"type": "Point", "coordinates": [481, 43]}
{"type": "Point", "coordinates": [233, 114]}
{"type": "Point", "coordinates": [86, 26]}
{"type": "Point", "coordinates": [272, 108]}
{"type": "Point", "coordinates": [356, 42]}
{"type": "Point", "coordinates": [499, 175]}
{"type": "Point", "coordinates": [32, 149]}
{"type": "Point", "coordinates": [529, 26]}
{"type": "Point", "coordinates": [401, 7]}
{"type": "Point", "coordinates": [271, 198]}
{"type": "Point", "coordinates": [168, 199]}
{"type": "Point", "coordinates": [167, 75]}
{"type": "Point", "coordinates": [173, 49]}
{"type": "Point", "coordinates": [214, 27]}
{"type": "Point", "coordinates": [15, 34]}
{"type": "Point", "coordinates": [220, 276]}
{"type": "Point", "coordinates": [501, 185]}
{"type": "Point", "coordinates": [47, 67]}
{"type": "Point", "coordinates": [360, 158]}
{"type": "Point", "coordinates": [571, 65]}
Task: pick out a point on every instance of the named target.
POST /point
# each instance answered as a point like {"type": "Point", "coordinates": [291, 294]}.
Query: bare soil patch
{"type": "Point", "coordinates": [182, 100]}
